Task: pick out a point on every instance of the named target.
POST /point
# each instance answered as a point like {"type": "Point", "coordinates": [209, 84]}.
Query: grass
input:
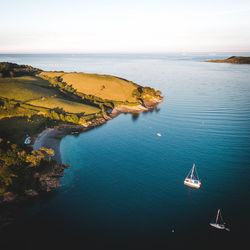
{"type": "Point", "coordinates": [68, 106]}
{"type": "Point", "coordinates": [103, 86]}
{"type": "Point", "coordinates": [36, 91]}
{"type": "Point", "coordinates": [36, 95]}
{"type": "Point", "coordinates": [25, 88]}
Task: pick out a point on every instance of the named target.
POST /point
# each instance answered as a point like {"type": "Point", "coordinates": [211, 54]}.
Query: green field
{"type": "Point", "coordinates": [36, 91]}
{"type": "Point", "coordinates": [68, 106]}
{"type": "Point", "coordinates": [103, 86]}
{"type": "Point", "coordinates": [25, 88]}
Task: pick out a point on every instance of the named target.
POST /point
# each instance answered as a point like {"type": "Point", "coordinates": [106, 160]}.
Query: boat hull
{"type": "Point", "coordinates": [218, 226]}
{"type": "Point", "coordinates": [192, 183]}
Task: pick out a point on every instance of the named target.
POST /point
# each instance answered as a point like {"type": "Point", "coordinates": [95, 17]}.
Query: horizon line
{"type": "Point", "coordinates": [121, 52]}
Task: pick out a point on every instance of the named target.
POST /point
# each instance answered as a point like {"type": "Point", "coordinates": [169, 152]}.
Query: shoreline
{"type": "Point", "coordinates": [51, 137]}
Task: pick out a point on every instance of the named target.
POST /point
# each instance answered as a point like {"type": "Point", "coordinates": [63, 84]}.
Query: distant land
{"type": "Point", "coordinates": [233, 59]}
{"type": "Point", "coordinates": [34, 101]}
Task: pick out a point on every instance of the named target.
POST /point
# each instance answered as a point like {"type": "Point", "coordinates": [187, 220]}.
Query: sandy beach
{"type": "Point", "coordinates": [50, 138]}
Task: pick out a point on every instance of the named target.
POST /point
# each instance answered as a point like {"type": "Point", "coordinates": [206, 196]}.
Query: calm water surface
{"type": "Point", "coordinates": [125, 185]}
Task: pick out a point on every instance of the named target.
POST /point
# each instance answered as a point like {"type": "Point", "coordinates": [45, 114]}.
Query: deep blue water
{"type": "Point", "coordinates": [125, 185]}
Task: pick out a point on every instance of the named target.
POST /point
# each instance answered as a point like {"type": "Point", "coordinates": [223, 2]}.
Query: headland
{"type": "Point", "coordinates": [233, 59]}
{"type": "Point", "coordinates": [40, 107]}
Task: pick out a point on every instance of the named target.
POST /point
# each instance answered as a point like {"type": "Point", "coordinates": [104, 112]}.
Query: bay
{"type": "Point", "coordinates": [125, 189]}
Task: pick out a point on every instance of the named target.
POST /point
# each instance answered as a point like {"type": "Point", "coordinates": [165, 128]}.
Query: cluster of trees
{"type": "Point", "coordinates": [18, 166]}
{"type": "Point", "coordinates": [141, 92]}
{"type": "Point", "coordinates": [12, 108]}
{"type": "Point", "coordinates": [80, 118]}
{"type": "Point", "coordinates": [12, 70]}
{"type": "Point", "coordinates": [8, 104]}
{"type": "Point", "coordinates": [59, 114]}
{"type": "Point", "coordinates": [15, 108]}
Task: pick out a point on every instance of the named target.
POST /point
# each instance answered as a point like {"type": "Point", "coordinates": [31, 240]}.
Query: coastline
{"type": "Point", "coordinates": [46, 123]}
{"type": "Point", "coordinates": [51, 137]}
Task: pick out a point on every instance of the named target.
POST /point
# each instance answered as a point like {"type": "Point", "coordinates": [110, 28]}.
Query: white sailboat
{"type": "Point", "coordinates": [191, 180]}
{"type": "Point", "coordinates": [219, 225]}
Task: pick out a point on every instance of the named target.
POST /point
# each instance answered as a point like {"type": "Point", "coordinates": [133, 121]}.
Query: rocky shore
{"type": "Point", "coordinates": [45, 183]}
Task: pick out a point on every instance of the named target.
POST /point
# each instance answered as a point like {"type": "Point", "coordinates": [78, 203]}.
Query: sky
{"type": "Point", "coordinates": [128, 26]}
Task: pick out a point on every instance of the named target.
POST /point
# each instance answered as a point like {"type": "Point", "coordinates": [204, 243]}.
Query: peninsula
{"type": "Point", "coordinates": [233, 59]}
{"type": "Point", "coordinates": [35, 102]}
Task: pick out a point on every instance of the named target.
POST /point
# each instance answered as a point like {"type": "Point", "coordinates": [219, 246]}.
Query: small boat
{"type": "Point", "coordinates": [217, 225]}
{"type": "Point", "coordinates": [191, 180]}
{"type": "Point", "coordinates": [158, 134]}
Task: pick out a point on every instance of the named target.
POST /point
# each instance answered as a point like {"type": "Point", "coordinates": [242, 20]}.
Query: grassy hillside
{"type": "Point", "coordinates": [70, 97]}
{"type": "Point", "coordinates": [68, 106]}
{"type": "Point", "coordinates": [103, 86]}
{"type": "Point", "coordinates": [25, 88]}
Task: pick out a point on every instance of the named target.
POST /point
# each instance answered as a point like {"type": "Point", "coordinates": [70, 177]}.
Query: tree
{"type": "Point", "coordinates": [48, 151]}
{"type": "Point", "coordinates": [35, 158]}
{"type": "Point", "coordinates": [6, 176]}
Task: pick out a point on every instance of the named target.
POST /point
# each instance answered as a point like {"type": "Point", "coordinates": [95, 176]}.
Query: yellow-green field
{"type": "Point", "coordinates": [103, 86]}
{"type": "Point", "coordinates": [68, 106]}
{"type": "Point", "coordinates": [41, 92]}
{"type": "Point", "coordinates": [35, 91]}
{"type": "Point", "coordinates": [24, 88]}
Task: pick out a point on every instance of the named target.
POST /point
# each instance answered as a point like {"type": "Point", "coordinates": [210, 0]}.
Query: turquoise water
{"type": "Point", "coordinates": [125, 185]}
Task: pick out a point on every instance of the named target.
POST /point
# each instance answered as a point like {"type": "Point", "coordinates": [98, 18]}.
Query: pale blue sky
{"type": "Point", "coordinates": [75, 26]}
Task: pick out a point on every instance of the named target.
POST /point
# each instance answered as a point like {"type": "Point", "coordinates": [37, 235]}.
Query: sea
{"type": "Point", "coordinates": [124, 188]}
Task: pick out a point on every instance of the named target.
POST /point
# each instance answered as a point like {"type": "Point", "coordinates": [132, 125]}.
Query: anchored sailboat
{"type": "Point", "coordinates": [219, 225]}
{"type": "Point", "coordinates": [191, 180]}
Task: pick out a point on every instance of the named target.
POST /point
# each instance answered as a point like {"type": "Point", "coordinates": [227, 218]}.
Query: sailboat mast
{"type": "Point", "coordinates": [192, 173]}
{"type": "Point", "coordinates": [217, 215]}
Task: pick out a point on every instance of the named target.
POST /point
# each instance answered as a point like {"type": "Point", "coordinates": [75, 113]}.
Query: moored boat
{"type": "Point", "coordinates": [191, 180]}
{"type": "Point", "coordinates": [217, 225]}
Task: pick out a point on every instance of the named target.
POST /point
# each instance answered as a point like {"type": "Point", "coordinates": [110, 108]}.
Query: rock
{"type": "Point", "coordinates": [48, 183]}
{"type": "Point", "coordinates": [8, 196]}
{"type": "Point", "coordinates": [31, 192]}
{"type": "Point", "coordinates": [36, 175]}
{"type": "Point", "coordinates": [51, 180]}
